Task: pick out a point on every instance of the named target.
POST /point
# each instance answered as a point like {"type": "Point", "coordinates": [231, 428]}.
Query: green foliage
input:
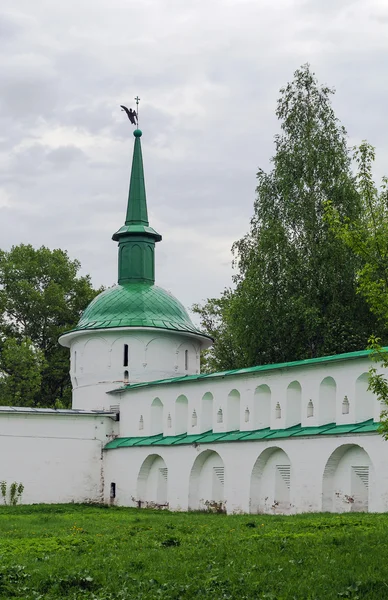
{"type": "Point", "coordinates": [367, 237]}
{"type": "Point", "coordinates": [295, 293]}
{"type": "Point", "coordinates": [74, 551]}
{"type": "Point", "coordinates": [14, 494]}
{"type": "Point", "coordinates": [22, 365]}
{"type": "Point", "coordinates": [41, 296]}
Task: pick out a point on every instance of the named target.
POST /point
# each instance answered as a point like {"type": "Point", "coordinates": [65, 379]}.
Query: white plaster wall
{"type": "Point", "coordinates": [307, 457]}
{"type": "Point", "coordinates": [324, 384]}
{"type": "Point", "coordinates": [97, 361]}
{"type": "Point", "coordinates": [57, 458]}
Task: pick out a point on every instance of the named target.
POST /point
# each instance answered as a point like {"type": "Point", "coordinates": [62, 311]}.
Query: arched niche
{"type": "Point", "coordinates": [152, 482]}
{"type": "Point", "coordinates": [95, 356]}
{"type": "Point", "coordinates": [126, 353]}
{"type": "Point", "coordinates": [206, 415]}
{"type": "Point", "coordinates": [156, 417]}
{"type": "Point", "coordinates": [364, 400]}
{"type": "Point", "coordinates": [181, 414]}
{"type": "Point", "coordinates": [261, 407]}
{"type": "Point", "coordinates": [271, 483]}
{"type": "Point", "coordinates": [160, 356]}
{"type": "Point", "coordinates": [186, 359]}
{"type": "Point", "coordinates": [327, 401]}
{"type": "Point", "coordinates": [233, 411]}
{"type": "Point", "coordinates": [347, 480]}
{"type": "Point", "coordinates": [206, 484]}
{"type": "Point", "coordinates": [293, 404]}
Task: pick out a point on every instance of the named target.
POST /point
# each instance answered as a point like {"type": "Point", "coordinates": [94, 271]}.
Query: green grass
{"type": "Point", "coordinates": [72, 551]}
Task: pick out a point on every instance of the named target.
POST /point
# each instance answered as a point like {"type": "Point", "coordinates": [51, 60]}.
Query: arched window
{"type": "Point", "coordinates": [327, 401]}
{"type": "Point", "coordinates": [233, 411]}
{"type": "Point", "coordinates": [156, 417]}
{"type": "Point", "coordinates": [345, 406]}
{"type": "Point", "coordinates": [194, 419]}
{"type": "Point", "coordinates": [310, 409]}
{"type": "Point", "coordinates": [206, 414]}
{"type": "Point", "coordinates": [126, 376]}
{"type": "Point", "coordinates": [181, 415]}
{"type": "Point", "coordinates": [246, 415]}
{"type": "Point", "coordinates": [278, 411]}
{"type": "Point", "coordinates": [293, 407]}
{"type": "Point", "coordinates": [220, 416]}
{"type": "Point", "coordinates": [141, 422]}
{"type": "Point", "coordinates": [75, 361]}
{"type": "Point", "coordinates": [364, 400]}
{"type": "Point", "coordinates": [125, 360]}
{"type": "Point", "coordinates": [186, 360]}
{"type": "Point", "coordinates": [261, 407]}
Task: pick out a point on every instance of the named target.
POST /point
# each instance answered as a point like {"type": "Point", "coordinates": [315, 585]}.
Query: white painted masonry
{"type": "Point", "coordinates": [59, 456]}
{"type": "Point", "coordinates": [97, 360]}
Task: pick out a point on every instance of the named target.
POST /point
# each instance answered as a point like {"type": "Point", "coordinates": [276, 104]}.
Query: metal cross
{"type": "Point", "coordinates": [137, 100]}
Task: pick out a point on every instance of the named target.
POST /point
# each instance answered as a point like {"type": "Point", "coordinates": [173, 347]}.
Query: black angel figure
{"type": "Point", "coordinates": [131, 114]}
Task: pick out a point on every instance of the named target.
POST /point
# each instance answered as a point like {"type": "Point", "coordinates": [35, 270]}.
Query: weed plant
{"type": "Point", "coordinates": [98, 553]}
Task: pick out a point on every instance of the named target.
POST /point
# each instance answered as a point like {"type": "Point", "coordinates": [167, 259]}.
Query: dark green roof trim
{"type": "Point", "coordinates": [251, 370]}
{"type": "Point", "coordinates": [244, 436]}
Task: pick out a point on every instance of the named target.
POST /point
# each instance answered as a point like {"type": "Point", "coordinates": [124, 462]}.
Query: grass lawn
{"type": "Point", "coordinates": [75, 551]}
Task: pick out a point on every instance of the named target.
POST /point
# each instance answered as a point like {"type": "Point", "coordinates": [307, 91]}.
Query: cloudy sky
{"type": "Point", "coordinates": [208, 74]}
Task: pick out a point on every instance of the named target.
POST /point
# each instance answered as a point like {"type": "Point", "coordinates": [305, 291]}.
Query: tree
{"type": "Point", "coordinates": [41, 296]}
{"type": "Point", "coordinates": [21, 366]}
{"type": "Point", "coordinates": [296, 293]}
{"type": "Point", "coordinates": [367, 237]}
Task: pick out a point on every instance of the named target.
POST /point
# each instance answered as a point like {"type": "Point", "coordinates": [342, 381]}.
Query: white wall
{"type": "Point", "coordinates": [97, 361]}
{"type": "Point", "coordinates": [256, 396]}
{"type": "Point", "coordinates": [253, 480]}
{"type": "Point", "coordinates": [57, 458]}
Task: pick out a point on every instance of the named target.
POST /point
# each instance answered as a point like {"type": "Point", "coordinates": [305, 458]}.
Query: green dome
{"type": "Point", "coordinates": [136, 305]}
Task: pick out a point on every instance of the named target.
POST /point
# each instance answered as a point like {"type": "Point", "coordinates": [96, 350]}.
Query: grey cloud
{"type": "Point", "coordinates": [208, 74]}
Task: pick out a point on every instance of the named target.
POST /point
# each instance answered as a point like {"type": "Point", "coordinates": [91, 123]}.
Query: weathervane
{"type": "Point", "coordinates": [133, 115]}
{"type": "Point", "coordinates": [137, 100]}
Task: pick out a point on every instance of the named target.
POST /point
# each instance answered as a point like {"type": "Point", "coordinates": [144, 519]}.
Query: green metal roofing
{"type": "Point", "coordinates": [136, 305]}
{"type": "Point", "coordinates": [249, 370]}
{"type": "Point", "coordinates": [136, 260]}
{"type": "Point", "coordinates": [244, 436]}
{"type": "Point", "coordinates": [136, 220]}
{"type": "Point", "coordinates": [136, 301]}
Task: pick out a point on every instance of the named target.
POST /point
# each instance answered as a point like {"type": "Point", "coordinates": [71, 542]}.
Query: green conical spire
{"type": "Point", "coordinates": [136, 238]}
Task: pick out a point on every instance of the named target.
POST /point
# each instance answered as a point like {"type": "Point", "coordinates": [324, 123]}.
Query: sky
{"type": "Point", "coordinates": [208, 73]}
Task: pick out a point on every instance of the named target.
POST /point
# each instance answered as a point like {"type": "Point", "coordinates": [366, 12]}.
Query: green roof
{"type": "Point", "coordinates": [136, 305]}
{"type": "Point", "coordinates": [244, 436]}
{"type": "Point", "coordinates": [136, 301]}
{"type": "Point", "coordinates": [249, 370]}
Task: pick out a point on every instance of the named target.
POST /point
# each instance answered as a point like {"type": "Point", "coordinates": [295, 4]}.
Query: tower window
{"type": "Point", "coordinates": [126, 376]}
{"type": "Point", "coordinates": [125, 362]}
{"type": "Point", "coordinates": [112, 490]}
{"type": "Point", "coordinates": [186, 360]}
